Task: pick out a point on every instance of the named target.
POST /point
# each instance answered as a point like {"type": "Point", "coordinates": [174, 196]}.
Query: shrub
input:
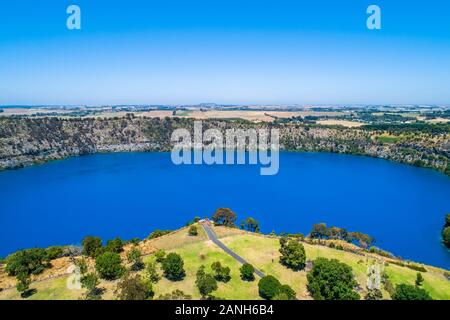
{"type": "Point", "coordinates": [285, 293]}
{"type": "Point", "coordinates": [160, 255]}
{"type": "Point", "coordinates": [23, 283]}
{"type": "Point", "coordinates": [109, 266]}
{"type": "Point", "coordinates": [446, 236]}
{"type": "Point", "coordinates": [416, 267]}
{"type": "Point", "coordinates": [419, 279]}
{"type": "Point", "coordinates": [408, 292]}
{"type": "Point", "coordinates": [158, 233]}
{"type": "Point", "coordinates": [381, 252]}
{"type": "Point", "coordinates": [193, 231]}
{"type": "Point", "coordinates": [134, 288]}
{"type": "Point", "coordinates": [269, 287]}
{"type": "Point", "coordinates": [152, 273]}
{"type": "Point", "coordinates": [134, 256]}
{"type": "Point", "coordinates": [373, 294]}
{"type": "Point", "coordinates": [175, 295]}
{"type": "Point", "coordinates": [90, 282]}
{"type": "Point", "coordinates": [91, 245]}
{"type": "Point", "coordinates": [173, 267]}
{"type": "Point", "coordinates": [30, 261]}
{"type": "Point", "coordinates": [134, 241]}
{"type": "Point", "coordinates": [331, 280]}
{"type": "Point", "coordinates": [292, 254]}
{"type": "Point", "coordinates": [81, 263]}
{"type": "Point", "coordinates": [247, 272]}
{"type": "Point", "coordinates": [55, 252]}
{"type": "Point", "coordinates": [221, 273]}
{"type": "Point", "coordinates": [115, 245]}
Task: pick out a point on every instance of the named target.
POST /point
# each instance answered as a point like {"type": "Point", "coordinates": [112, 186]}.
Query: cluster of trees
{"type": "Point", "coordinates": [250, 224]}
{"type": "Point", "coordinates": [93, 246]}
{"type": "Point", "coordinates": [321, 231]}
{"type": "Point", "coordinates": [205, 282]}
{"type": "Point", "coordinates": [226, 217]}
{"type": "Point", "coordinates": [22, 264]}
{"type": "Point", "coordinates": [446, 231]}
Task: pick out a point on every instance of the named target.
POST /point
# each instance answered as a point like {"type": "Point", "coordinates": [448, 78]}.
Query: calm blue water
{"type": "Point", "coordinates": [131, 194]}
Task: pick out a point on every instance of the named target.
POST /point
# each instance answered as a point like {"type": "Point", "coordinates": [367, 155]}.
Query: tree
{"type": "Point", "coordinates": [160, 255]}
{"type": "Point", "coordinates": [54, 252]}
{"type": "Point", "coordinates": [363, 239]}
{"type": "Point", "coordinates": [173, 267]}
{"type": "Point", "coordinates": [115, 245]}
{"type": "Point", "coordinates": [293, 255]}
{"type": "Point", "coordinates": [247, 272]}
{"type": "Point", "coordinates": [408, 292]}
{"type": "Point", "coordinates": [331, 280]}
{"type": "Point", "coordinates": [250, 224]}
{"type": "Point", "coordinates": [337, 233]}
{"type": "Point", "coordinates": [285, 293]}
{"type": "Point", "coordinates": [269, 287]}
{"type": "Point", "coordinates": [446, 236]}
{"type": "Point", "coordinates": [109, 266]}
{"type": "Point", "coordinates": [419, 279]}
{"type": "Point", "coordinates": [225, 217]}
{"type": "Point", "coordinates": [193, 231]}
{"type": "Point", "coordinates": [23, 284]}
{"type": "Point", "coordinates": [91, 245]}
{"type": "Point", "coordinates": [133, 287]}
{"type": "Point", "coordinates": [319, 231]}
{"type": "Point", "coordinates": [90, 282]}
{"type": "Point", "coordinates": [152, 273]}
{"type": "Point", "coordinates": [221, 273]}
{"type": "Point", "coordinates": [30, 261]}
{"type": "Point", "coordinates": [134, 256]}
{"type": "Point", "coordinates": [81, 263]}
{"type": "Point", "coordinates": [206, 283]}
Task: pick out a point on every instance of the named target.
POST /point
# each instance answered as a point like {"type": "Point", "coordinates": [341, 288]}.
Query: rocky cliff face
{"type": "Point", "coordinates": [27, 141]}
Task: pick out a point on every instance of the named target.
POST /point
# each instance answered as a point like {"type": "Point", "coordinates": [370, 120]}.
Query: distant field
{"type": "Point", "coordinates": [259, 250]}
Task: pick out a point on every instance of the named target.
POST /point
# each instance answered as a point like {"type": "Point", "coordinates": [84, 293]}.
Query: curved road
{"type": "Point", "coordinates": [213, 237]}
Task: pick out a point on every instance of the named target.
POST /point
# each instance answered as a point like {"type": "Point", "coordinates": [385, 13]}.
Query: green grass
{"type": "Point", "coordinates": [205, 253]}
{"type": "Point", "coordinates": [263, 253]}
{"type": "Point", "coordinates": [260, 251]}
{"type": "Point", "coordinates": [387, 139]}
{"type": "Point", "coordinates": [53, 289]}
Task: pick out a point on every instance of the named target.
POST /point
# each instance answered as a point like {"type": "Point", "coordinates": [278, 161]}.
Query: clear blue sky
{"type": "Point", "coordinates": [224, 51]}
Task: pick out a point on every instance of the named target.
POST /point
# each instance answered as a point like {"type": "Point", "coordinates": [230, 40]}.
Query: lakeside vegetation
{"type": "Point", "coordinates": [326, 264]}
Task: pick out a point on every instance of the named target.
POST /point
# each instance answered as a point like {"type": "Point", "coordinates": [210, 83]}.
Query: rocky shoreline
{"type": "Point", "coordinates": [24, 142]}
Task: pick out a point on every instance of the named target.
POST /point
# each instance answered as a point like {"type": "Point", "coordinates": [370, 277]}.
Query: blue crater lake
{"type": "Point", "coordinates": [131, 194]}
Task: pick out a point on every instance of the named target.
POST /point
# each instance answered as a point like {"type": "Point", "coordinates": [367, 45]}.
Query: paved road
{"type": "Point", "coordinates": [212, 236]}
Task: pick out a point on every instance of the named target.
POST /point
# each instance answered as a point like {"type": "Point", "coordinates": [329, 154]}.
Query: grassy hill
{"type": "Point", "coordinates": [259, 250]}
